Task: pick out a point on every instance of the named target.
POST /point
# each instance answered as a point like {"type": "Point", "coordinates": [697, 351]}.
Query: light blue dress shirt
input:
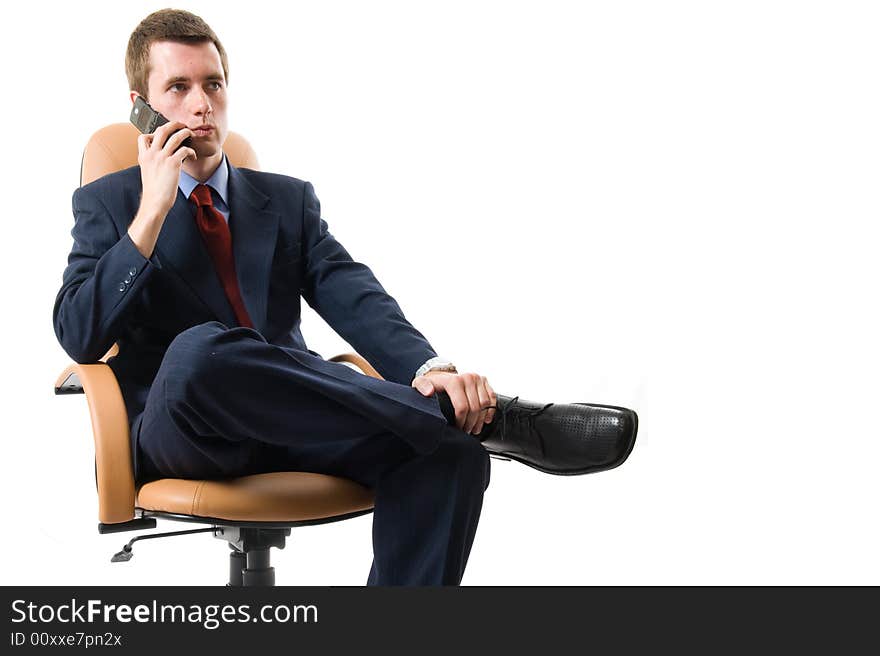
{"type": "Point", "coordinates": [218, 183]}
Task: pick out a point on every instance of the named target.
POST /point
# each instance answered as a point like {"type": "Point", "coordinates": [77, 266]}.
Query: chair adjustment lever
{"type": "Point", "coordinates": [126, 553]}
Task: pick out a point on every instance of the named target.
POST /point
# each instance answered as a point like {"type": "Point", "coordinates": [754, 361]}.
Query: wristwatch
{"type": "Point", "coordinates": [436, 364]}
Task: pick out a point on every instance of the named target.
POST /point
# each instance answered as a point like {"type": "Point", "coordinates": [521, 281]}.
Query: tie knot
{"type": "Point", "coordinates": [201, 196]}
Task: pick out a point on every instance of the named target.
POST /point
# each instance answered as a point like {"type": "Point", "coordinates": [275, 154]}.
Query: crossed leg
{"type": "Point", "coordinates": [227, 403]}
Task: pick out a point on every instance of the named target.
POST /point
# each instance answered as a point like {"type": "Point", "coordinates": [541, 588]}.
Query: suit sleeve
{"type": "Point", "coordinates": [104, 277]}
{"type": "Point", "coordinates": [348, 297]}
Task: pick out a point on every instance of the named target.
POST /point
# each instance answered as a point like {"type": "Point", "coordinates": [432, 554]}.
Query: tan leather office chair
{"type": "Point", "coordinates": [253, 513]}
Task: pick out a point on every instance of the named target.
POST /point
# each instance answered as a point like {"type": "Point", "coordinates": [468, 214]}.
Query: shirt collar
{"type": "Point", "coordinates": [219, 181]}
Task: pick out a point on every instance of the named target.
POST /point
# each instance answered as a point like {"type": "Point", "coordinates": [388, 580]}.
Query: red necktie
{"type": "Point", "coordinates": [218, 239]}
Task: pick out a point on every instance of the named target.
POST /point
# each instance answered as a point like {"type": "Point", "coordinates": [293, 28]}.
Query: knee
{"type": "Point", "coordinates": [192, 348]}
{"type": "Point", "coordinates": [196, 337]}
{"type": "Point", "coordinates": [209, 338]}
{"type": "Point", "coordinates": [194, 355]}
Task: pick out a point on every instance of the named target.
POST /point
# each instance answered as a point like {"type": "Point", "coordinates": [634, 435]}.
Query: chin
{"type": "Point", "coordinates": [205, 150]}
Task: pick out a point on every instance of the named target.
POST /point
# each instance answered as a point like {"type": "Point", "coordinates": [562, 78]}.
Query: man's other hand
{"type": "Point", "coordinates": [470, 394]}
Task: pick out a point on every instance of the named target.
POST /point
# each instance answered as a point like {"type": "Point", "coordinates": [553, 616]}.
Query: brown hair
{"type": "Point", "coordinates": [165, 25]}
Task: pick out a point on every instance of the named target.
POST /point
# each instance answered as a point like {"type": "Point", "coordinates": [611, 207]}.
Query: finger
{"type": "Point", "coordinates": [483, 393]}
{"type": "Point", "coordinates": [144, 141]}
{"type": "Point", "coordinates": [160, 135]}
{"type": "Point", "coordinates": [167, 129]}
{"type": "Point", "coordinates": [176, 139]}
{"type": "Point", "coordinates": [184, 153]}
{"type": "Point", "coordinates": [493, 401]}
{"type": "Point", "coordinates": [423, 385]}
{"type": "Point", "coordinates": [470, 387]}
{"type": "Point", "coordinates": [459, 401]}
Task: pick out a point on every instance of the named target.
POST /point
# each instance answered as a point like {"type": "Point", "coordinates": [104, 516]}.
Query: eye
{"type": "Point", "coordinates": [215, 85]}
{"type": "Point", "coordinates": [175, 87]}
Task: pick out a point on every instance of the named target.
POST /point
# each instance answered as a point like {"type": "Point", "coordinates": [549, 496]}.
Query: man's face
{"type": "Point", "coordinates": [186, 84]}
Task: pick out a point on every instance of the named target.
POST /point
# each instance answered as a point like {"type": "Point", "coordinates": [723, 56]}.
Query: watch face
{"type": "Point", "coordinates": [437, 365]}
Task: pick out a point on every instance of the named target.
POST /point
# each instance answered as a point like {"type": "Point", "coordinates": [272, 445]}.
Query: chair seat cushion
{"type": "Point", "coordinates": [271, 497]}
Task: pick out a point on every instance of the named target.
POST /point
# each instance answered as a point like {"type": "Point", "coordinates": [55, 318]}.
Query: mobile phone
{"type": "Point", "coordinates": [146, 119]}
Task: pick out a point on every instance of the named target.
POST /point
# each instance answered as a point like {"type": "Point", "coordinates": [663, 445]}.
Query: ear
{"type": "Point", "coordinates": [134, 95]}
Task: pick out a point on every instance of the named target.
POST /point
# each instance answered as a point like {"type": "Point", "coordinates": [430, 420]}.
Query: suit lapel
{"type": "Point", "coordinates": [180, 245]}
{"type": "Point", "coordinates": [254, 231]}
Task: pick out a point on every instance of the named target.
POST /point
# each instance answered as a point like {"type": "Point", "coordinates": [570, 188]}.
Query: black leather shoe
{"type": "Point", "coordinates": [565, 439]}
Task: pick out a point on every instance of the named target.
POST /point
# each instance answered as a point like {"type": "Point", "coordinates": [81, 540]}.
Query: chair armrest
{"type": "Point", "coordinates": [360, 362]}
{"type": "Point", "coordinates": [113, 468]}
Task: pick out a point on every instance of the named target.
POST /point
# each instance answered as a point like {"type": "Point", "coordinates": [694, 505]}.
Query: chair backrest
{"type": "Point", "coordinates": [114, 148]}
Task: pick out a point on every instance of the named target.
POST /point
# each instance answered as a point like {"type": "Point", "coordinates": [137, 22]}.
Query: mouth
{"type": "Point", "coordinates": [202, 131]}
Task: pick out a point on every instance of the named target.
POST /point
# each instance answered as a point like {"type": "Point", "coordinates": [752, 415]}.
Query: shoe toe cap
{"type": "Point", "coordinates": [607, 434]}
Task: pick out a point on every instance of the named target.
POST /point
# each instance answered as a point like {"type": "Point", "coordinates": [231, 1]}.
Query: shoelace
{"type": "Point", "coordinates": [520, 413]}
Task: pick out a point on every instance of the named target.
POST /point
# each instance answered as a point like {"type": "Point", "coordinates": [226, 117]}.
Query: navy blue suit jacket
{"type": "Point", "coordinates": [283, 251]}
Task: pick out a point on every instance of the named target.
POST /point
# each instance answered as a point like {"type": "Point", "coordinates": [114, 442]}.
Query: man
{"type": "Point", "coordinates": [195, 269]}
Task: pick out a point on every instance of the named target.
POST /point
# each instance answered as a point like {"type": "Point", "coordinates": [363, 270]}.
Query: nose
{"type": "Point", "coordinates": [199, 102]}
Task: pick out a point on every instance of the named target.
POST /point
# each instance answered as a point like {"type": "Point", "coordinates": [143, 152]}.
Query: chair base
{"type": "Point", "coordinates": [249, 560]}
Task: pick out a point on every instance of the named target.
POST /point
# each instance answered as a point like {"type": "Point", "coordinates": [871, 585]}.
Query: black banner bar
{"type": "Point", "coordinates": [411, 620]}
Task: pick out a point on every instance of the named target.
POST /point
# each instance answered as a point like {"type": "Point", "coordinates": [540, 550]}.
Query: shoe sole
{"type": "Point", "coordinates": [579, 472]}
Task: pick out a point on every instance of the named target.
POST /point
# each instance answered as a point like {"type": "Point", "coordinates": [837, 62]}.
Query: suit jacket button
{"type": "Point", "coordinates": [132, 271]}
{"type": "Point", "coordinates": [127, 279]}
{"type": "Point", "coordinates": [122, 286]}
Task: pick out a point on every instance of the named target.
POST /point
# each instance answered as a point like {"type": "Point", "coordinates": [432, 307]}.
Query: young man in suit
{"type": "Point", "coordinates": [196, 268]}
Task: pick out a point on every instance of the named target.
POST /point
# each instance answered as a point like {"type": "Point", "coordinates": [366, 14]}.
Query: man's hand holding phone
{"type": "Point", "coordinates": [161, 157]}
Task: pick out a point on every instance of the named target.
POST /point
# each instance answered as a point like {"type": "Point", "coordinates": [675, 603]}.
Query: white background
{"type": "Point", "coordinates": [667, 206]}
